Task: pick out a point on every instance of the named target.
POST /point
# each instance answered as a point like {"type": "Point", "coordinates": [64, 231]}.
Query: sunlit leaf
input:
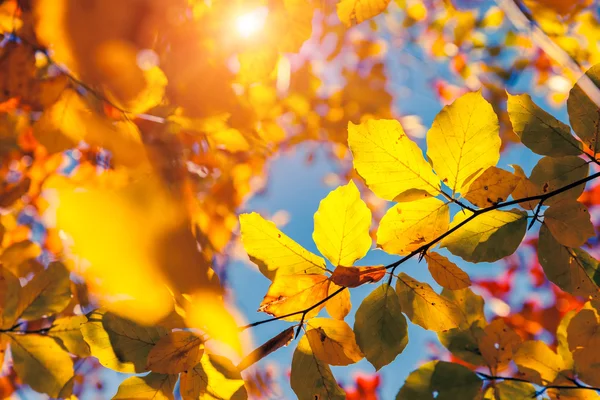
{"type": "Point", "coordinates": [41, 362]}
{"type": "Point", "coordinates": [498, 344]}
{"type": "Point", "coordinates": [273, 251]}
{"type": "Point", "coordinates": [512, 390]}
{"type": "Point", "coordinates": [469, 304]}
{"type": "Point", "coordinates": [583, 334]}
{"type": "Point", "coordinates": [408, 226]}
{"type": "Point", "coordinates": [342, 226]}
{"type": "Point", "coordinates": [282, 339]}
{"type": "Point", "coordinates": [569, 222]}
{"type": "Point", "coordinates": [67, 331]}
{"type": "Point", "coordinates": [489, 237]}
{"type": "Point", "coordinates": [572, 270]}
{"type": "Point", "coordinates": [380, 328]}
{"type": "Point", "coordinates": [351, 277]}
{"type": "Point", "coordinates": [391, 164]}
{"type": "Point", "coordinates": [464, 141]}
{"type": "Point", "coordinates": [176, 352]}
{"type": "Point", "coordinates": [292, 293]}
{"type": "Point", "coordinates": [18, 253]}
{"type": "Point", "coordinates": [442, 381]}
{"type": "Point", "coordinates": [446, 273]}
{"type": "Point", "coordinates": [425, 307]}
{"type": "Point", "coordinates": [151, 386]}
{"type": "Point", "coordinates": [537, 362]}
{"type": "Point", "coordinates": [215, 377]}
{"type": "Point", "coordinates": [311, 378]}
{"type": "Point", "coordinates": [553, 173]}
{"type": "Point", "coordinates": [540, 131]}
{"type": "Point", "coordinates": [562, 347]}
{"type": "Point", "coordinates": [339, 306]}
{"type": "Point", "coordinates": [333, 341]}
{"type": "Point", "coordinates": [492, 187]}
{"type": "Point", "coordinates": [525, 188]}
{"type": "Point", "coordinates": [118, 343]}
{"type": "Point", "coordinates": [352, 12]}
{"type": "Point", "coordinates": [49, 292]}
{"type": "Point", "coordinates": [10, 289]}
{"type": "Point", "coordinates": [583, 112]}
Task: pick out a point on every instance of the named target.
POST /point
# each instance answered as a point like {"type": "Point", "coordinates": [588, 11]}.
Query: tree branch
{"type": "Point", "coordinates": [576, 385]}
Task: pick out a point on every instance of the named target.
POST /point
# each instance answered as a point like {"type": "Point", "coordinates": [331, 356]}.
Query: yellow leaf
{"type": "Point", "coordinates": [380, 328]}
{"type": "Point", "coordinates": [408, 226]}
{"type": "Point", "coordinates": [282, 339]}
{"type": "Point", "coordinates": [207, 311]}
{"type": "Point", "coordinates": [333, 341]}
{"type": "Point", "coordinates": [17, 253]}
{"type": "Point", "coordinates": [10, 289]}
{"type": "Point", "coordinates": [498, 344]}
{"type": "Point", "coordinates": [353, 12]}
{"type": "Point", "coordinates": [176, 352]}
{"type": "Point", "coordinates": [391, 164]}
{"type": "Point", "coordinates": [525, 188]}
{"type": "Point", "coordinates": [492, 187]}
{"type": "Point", "coordinates": [583, 112]}
{"type": "Point", "coordinates": [342, 226]}
{"type": "Point", "coordinates": [469, 304]}
{"type": "Point", "coordinates": [425, 307]}
{"type": "Point", "coordinates": [48, 293]}
{"type": "Point", "coordinates": [570, 269]}
{"type": "Point", "coordinates": [540, 131]}
{"type": "Point", "coordinates": [569, 222]}
{"type": "Point", "coordinates": [562, 347]}
{"type": "Point", "coordinates": [446, 273]}
{"type": "Point", "coordinates": [118, 343]}
{"type": "Point", "coordinates": [273, 251]}
{"type": "Point", "coordinates": [537, 362]}
{"type": "Point", "coordinates": [552, 173]}
{"type": "Point", "coordinates": [151, 386]}
{"type": "Point", "coordinates": [583, 335]}
{"type": "Point", "coordinates": [214, 377]}
{"type": "Point", "coordinates": [351, 277]}
{"type": "Point", "coordinates": [339, 306]}
{"type": "Point", "coordinates": [291, 293]}
{"type": "Point", "coordinates": [464, 141]}
{"type": "Point", "coordinates": [488, 237]}
{"type": "Point", "coordinates": [311, 378]}
{"type": "Point", "coordinates": [41, 363]}
{"type": "Point", "coordinates": [511, 390]}
{"type": "Point", "coordinates": [67, 331]}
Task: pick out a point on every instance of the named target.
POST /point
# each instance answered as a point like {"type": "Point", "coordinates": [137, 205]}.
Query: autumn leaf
{"type": "Point", "coordinates": [18, 253]}
{"type": "Point", "coordinates": [282, 339]}
{"type": "Point", "coordinates": [352, 12]}
{"type": "Point", "coordinates": [498, 344]}
{"type": "Point", "coordinates": [446, 273]}
{"type": "Point", "coordinates": [509, 390]}
{"type": "Point", "coordinates": [151, 386]}
{"type": "Point", "coordinates": [215, 377]}
{"type": "Point", "coordinates": [525, 188]}
{"type": "Point", "coordinates": [540, 131]}
{"type": "Point", "coordinates": [464, 141]}
{"type": "Point", "coordinates": [311, 378]}
{"type": "Point", "coordinates": [333, 341]}
{"type": "Point", "coordinates": [273, 251]}
{"type": "Point", "coordinates": [408, 226]}
{"type": "Point", "coordinates": [449, 380]}
{"type": "Point", "coordinates": [176, 352]}
{"type": "Point", "coordinates": [463, 342]}
{"type": "Point", "coordinates": [391, 164]}
{"type": "Point", "coordinates": [489, 237]}
{"type": "Point", "coordinates": [339, 306]}
{"type": "Point", "coordinates": [425, 307]}
{"type": "Point", "coordinates": [380, 328]}
{"type": "Point", "coordinates": [342, 226]}
{"type": "Point", "coordinates": [552, 173]}
{"type": "Point", "coordinates": [492, 187]}
{"type": "Point", "coordinates": [352, 277]}
{"type": "Point", "coordinates": [292, 293]}
{"type": "Point", "coordinates": [569, 222]}
{"type": "Point", "coordinates": [67, 331]}
{"type": "Point", "coordinates": [583, 112]}
{"type": "Point", "coordinates": [537, 362]}
{"type": "Point", "coordinates": [10, 289]}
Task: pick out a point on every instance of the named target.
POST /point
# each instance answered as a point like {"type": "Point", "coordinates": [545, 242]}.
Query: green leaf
{"type": "Point", "coordinates": [511, 390]}
{"type": "Point", "coordinates": [152, 386]}
{"type": "Point", "coordinates": [10, 289]}
{"type": "Point", "coordinates": [311, 378]}
{"type": "Point", "coordinates": [464, 141]}
{"type": "Point", "coordinates": [425, 307]}
{"type": "Point", "coordinates": [67, 331]}
{"type": "Point", "coordinates": [464, 343]}
{"type": "Point", "coordinates": [469, 304]}
{"type": "Point", "coordinates": [440, 380]}
{"type": "Point", "coordinates": [583, 112]}
{"type": "Point", "coordinates": [215, 377]}
{"type": "Point", "coordinates": [488, 237]}
{"type": "Point", "coordinates": [380, 328]}
{"type": "Point", "coordinates": [552, 173]}
{"type": "Point", "coordinates": [48, 293]}
{"type": "Point", "coordinates": [572, 270]}
{"type": "Point", "coordinates": [540, 131]}
{"type": "Point", "coordinates": [41, 363]}
{"type": "Point", "coordinates": [118, 343]}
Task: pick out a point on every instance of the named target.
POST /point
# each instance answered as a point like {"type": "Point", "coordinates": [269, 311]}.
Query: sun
{"type": "Point", "coordinates": [251, 23]}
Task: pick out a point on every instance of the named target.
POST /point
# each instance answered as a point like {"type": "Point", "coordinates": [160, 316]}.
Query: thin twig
{"type": "Point", "coordinates": [576, 385]}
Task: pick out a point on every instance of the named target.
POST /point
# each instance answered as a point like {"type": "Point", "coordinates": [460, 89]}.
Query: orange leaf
{"type": "Point", "coordinates": [275, 343]}
{"type": "Point", "coordinates": [355, 276]}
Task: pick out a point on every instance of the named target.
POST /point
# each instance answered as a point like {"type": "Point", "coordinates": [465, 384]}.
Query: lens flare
{"type": "Point", "coordinates": [251, 23]}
